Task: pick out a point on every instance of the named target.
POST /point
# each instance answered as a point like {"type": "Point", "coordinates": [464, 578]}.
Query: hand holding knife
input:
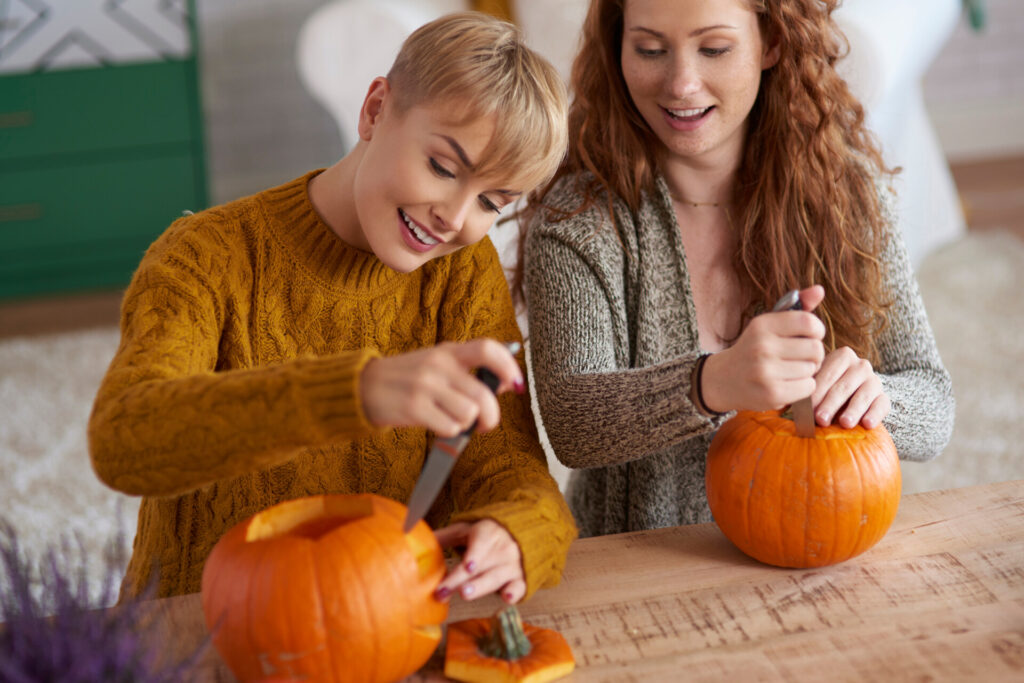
{"type": "Point", "coordinates": [442, 457]}
{"type": "Point", "coordinates": [803, 411]}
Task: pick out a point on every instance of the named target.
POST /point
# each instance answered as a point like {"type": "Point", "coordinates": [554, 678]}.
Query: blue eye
{"type": "Point", "coordinates": [439, 169]}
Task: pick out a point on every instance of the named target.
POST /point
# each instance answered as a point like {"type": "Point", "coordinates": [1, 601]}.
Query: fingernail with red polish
{"type": "Point", "coordinates": [508, 597]}
{"type": "Point", "coordinates": [442, 593]}
{"type": "Point", "coordinates": [467, 590]}
{"type": "Point", "coordinates": [519, 385]}
{"type": "Point", "coordinates": [471, 566]}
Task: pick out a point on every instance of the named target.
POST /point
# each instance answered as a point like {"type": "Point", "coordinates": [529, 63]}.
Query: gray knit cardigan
{"type": "Point", "coordinates": [613, 337]}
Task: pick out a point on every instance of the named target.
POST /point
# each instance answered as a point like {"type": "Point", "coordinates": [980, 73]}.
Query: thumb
{"type": "Point", "coordinates": [812, 296]}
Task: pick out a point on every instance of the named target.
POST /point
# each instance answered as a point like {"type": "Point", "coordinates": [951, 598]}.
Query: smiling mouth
{"type": "Point", "coordinates": [419, 233]}
{"type": "Point", "coordinates": [688, 114]}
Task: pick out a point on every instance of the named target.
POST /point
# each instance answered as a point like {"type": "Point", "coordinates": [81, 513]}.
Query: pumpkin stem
{"type": "Point", "coordinates": [505, 639]}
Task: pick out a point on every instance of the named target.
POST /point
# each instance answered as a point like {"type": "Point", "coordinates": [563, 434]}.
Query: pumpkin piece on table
{"type": "Point", "coordinates": [503, 649]}
{"type": "Point", "coordinates": [325, 588]}
{"type": "Point", "coordinates": [801, 502]}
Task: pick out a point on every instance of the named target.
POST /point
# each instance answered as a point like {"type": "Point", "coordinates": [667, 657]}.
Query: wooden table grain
{"type": "Point", "coordinates": [940, 598]}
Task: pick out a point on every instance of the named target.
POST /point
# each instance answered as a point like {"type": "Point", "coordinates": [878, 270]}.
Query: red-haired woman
{"type": "Point", "coordinates": [716, 161]}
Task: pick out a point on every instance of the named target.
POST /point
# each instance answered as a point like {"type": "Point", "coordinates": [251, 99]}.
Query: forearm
{"type": "Point", "coordinates": [163, 435]}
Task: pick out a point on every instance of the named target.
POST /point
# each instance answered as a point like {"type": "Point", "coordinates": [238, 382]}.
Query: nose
{"type": "Point", "coordinates": [454, 211]}
{"type": "Point", "coordinates": [684, 79]}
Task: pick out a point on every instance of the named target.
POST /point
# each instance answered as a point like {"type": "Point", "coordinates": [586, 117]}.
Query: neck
{"type": "Point", "coordinates": [333, 196]}
{"type": "Point", "coordinates": [707, 178]}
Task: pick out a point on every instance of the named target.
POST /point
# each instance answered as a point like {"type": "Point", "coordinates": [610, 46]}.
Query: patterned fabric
{"type": "Point", "coordinates": [236, 386]}
{"type": "Point", "coordinates": [614, 336]}
{"type": "Point", "coordinates": [42, 35]}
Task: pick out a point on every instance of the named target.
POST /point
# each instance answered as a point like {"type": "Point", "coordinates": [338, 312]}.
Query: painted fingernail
{"type": "Point", "coordinates": [468, 590]}
{"type": "Point", "coordinates": [442, 592]}
{"type": "Point", "coordinates": [471, 566]}
{"type": "Point", "coordinates": [507, 596]}
{"type": "Point", "coordinates": [519, 385]}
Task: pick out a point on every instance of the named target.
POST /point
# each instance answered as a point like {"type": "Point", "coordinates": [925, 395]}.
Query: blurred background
{"type": "Point", "coordinates": [117, 117]}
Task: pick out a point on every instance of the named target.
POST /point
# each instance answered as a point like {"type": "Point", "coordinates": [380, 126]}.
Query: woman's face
{"type": "Point", "coordinates": [693, 69]}
{"type": "Point", "coordinates": [417, 195]}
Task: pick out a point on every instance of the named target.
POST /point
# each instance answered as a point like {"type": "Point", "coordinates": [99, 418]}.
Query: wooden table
{"type": "Point", "coordinates": [941, 597]}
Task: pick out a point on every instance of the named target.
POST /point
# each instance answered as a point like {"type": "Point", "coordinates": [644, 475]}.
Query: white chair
{"type": "Point", "coordinates": [346, 43]}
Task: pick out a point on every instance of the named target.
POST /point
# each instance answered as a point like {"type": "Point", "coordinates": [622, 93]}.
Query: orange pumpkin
{"type": "Point", "coordinates": [325, 588]}
{"type": "Point", "coordinates": [503, 649]}
{"type": "Point", "coordinates": [795, 502]}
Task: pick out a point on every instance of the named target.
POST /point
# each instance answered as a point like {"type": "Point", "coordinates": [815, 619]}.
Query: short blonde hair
{"type": "Point", "coordinates": [481, 66]}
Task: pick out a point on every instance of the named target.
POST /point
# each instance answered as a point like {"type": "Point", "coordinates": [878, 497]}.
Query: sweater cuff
{"type": "Point", "coordinates": [330, 389]}
{"type": "Point", "coordinates": [543, 530]}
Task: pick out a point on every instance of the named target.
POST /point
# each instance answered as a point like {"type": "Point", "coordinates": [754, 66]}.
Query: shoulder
{"type": "Point", "coordinates": [576, 211]}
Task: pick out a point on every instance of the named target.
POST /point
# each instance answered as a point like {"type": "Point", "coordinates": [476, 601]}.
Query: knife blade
{"type": "Point", "coordinates": [442, 457]}
{"type": "Point", "coordinates": [803, 411]}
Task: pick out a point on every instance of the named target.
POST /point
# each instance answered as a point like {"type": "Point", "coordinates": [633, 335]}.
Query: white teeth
{"type": "Point", "coordinates": [416, 230]}
{"type": "Point", "coordinates": [687, 113]}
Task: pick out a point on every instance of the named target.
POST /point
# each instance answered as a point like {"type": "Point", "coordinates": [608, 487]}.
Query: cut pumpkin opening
{"type": "Point", "coordinates": [306, 517]}
{"type": "Point", "coordinates": [426, 556]}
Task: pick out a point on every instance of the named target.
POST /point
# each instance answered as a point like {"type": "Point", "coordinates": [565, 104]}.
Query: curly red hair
{"type": "Point", "coordinates": [805, 202]}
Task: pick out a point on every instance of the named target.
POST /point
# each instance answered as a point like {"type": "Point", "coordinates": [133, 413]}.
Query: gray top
{"type": "Point", "coordinates": [613, 334]}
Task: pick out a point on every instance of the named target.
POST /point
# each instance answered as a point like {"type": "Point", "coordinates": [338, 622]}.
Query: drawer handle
{"type": "Point", "coordinates": [20, 212]}
{"type": "Point", "coordinates": [15, 119]}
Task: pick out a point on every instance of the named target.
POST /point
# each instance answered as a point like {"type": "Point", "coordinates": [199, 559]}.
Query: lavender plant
{"type": "Point", "coordinates": [59, 634]}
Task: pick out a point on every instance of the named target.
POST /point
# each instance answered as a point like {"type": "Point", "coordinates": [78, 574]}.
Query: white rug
{"type": "Point", "coordinates": [971, 288]}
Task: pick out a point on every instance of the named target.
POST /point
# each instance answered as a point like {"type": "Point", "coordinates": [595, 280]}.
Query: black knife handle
{"type": "Point", "coordinates": [491, 380]}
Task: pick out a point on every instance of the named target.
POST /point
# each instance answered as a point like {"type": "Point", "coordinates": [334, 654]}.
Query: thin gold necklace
{"type": "Point", "coordinates": [694, 204]}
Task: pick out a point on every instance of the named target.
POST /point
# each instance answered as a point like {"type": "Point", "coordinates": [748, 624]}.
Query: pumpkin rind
{"type": "Point", "coordinates": [350, 601]}
{"type": "Point", "coordinates": [550, 656]}
{"type": "Point", "coordinates": [794, 502]}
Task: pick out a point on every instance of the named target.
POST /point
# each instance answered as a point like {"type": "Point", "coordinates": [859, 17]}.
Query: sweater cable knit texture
{"type": "Point", "coordinates": [236, 386]}
{"type": "Point", "coordinates": [614, 338]}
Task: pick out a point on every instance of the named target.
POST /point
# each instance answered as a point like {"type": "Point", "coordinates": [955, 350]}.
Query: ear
{"type": "Point", "coordinates": [373, 107]}
{"type": "Point", "coordinates": [771, 55]}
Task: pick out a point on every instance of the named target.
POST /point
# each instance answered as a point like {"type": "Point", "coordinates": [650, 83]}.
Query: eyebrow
{"type": "Point", "coordinates": [461, 153]}
{"type": "Point", "coordinates": [457, 148]}
{"type": "Point", "coordinates": [697, 32]}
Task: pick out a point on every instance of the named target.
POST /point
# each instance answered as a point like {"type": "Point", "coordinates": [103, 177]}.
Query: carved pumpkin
{"type": "Point", "coordinates": [325, 588]}
{"type": "Point", "coordinates": [503, 649]}
{"type": "Point", "coordinates": [795, 502]}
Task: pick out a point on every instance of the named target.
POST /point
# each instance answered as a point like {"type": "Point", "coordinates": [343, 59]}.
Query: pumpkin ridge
{"type": "Point", "coordinates": [320, 610]}
{"type": "Point", "coordinates": [373, 540]}
{"type": "Point", "coordinates": [860, 485]}
{"type": "Point", "coordinates": [746, 499]}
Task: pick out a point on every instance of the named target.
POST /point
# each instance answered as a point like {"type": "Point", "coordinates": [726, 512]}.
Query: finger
{"type": "Point", "coordinates": [513, 591]}
{"type": "Point", "coordinates": [490, 354]}
{"type": "Point", "coordinates": [811, 351]}
{"type": "Point", "coordinates": [463, 398]}
{"type": "Point", "coordinates": [862, 398]}
{"type": "Point", "coordinates": [453, 535]}
{"type": "Point", "coordinates": [878, 411]}
{"type": "Point", "coordinates": [799, 324]}
{"type": "Point", "coordinates": [838, 394]}
{"type": "Point", "coordinates": [489, 581]}
{"type": "Point", "coordinates": [811, 297]}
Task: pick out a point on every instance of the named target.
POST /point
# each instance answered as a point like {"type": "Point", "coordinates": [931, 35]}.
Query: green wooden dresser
{"type": "Point", "coordinates": [101, 143]}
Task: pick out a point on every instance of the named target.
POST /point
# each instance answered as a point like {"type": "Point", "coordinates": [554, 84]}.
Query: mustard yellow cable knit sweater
{"type": "Point", "coordinates": [235, 386]}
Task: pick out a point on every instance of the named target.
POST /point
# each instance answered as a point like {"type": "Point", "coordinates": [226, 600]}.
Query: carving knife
{"type": "Point", "coordinates": [803, 411]}
{"type": "Point", "coordinates": [442, 457]}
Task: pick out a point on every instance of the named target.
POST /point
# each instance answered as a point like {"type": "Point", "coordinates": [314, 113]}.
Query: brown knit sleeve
{"type": "Point", "coordinates": [503, 474]}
